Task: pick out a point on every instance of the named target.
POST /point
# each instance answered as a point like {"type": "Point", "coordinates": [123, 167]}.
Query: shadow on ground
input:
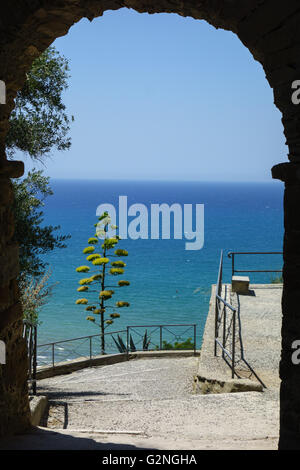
{"type": "Point", "coordinates": [43, 439]}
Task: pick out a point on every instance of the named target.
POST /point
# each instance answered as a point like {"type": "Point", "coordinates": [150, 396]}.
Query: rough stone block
{"type": "Point", "coordinates": [240, 284]}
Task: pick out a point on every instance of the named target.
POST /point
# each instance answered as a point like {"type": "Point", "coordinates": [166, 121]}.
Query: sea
{"type": "Point", "coordinates": [168, 283]}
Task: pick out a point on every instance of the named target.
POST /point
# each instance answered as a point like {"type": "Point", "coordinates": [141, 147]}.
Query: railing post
{"type": "Point", "coordinates": [232, 264]}
{"type": "Point", "coordinates": [30, 353]}
{"type": "Point", "coordinates": [127, 343]}
{"type": "Point", "coordinates": [52, 354]}
{"type": "Point", "coordinates": [233, 344]}
{"type": "Point", "coordinates": [91, 352]}
{"type": "Point", "coordinates": [224, 331]}
{"type": "Point", "coordinates": [160, 337]}
{"type": "Point", "coordinates": [195, 336]}
{"type": "Point", "coordinates": [216, 325]}
{"type": "Point", "coordinates": [34, 361]}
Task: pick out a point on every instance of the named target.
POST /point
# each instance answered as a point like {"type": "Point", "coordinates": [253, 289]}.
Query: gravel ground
{"type": "Point", "coordinates": [143, 379]}
{"type": "Point", "coordinates": [148, 403]}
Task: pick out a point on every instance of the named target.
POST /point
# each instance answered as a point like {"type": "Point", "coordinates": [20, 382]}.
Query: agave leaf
{"type": "Point", "coordinates": [122, 343]}
{"type": "Point", "coordinates": [146, 341]}
{"type": "Point", "coordinates": [118, 345]}
{"type": "Point", "coordinates": [132, 345]}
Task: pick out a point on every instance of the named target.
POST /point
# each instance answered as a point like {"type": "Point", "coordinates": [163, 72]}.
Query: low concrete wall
{"type": "Point", "coordinates": [68, 367]}
{"type": "Point", "coordinates": [38, 406]}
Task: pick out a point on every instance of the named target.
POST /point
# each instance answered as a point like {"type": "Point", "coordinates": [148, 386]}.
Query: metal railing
{"type": "Point", "coordinates": [30, 336]}
{"type": "Point", "coordinates": [153, 337]}
{"type": "Point", "coordinates": [162, 337]}
{"type": "Point", "coordinates": [227, 319]}
{"type": "Point", "coordinates": [221, 322]}
{"type": "Point", "coordinates": [225, 345]}
{"type": "Point", "coordinates": [232, 255]}
{"type": "Point", "coordinates": [217, 301]}
{"type": "Point", "coordinates": [69, 349]}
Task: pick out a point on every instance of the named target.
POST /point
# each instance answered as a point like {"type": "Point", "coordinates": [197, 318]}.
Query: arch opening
{"type": "Point", "coordinates": [271, 34]}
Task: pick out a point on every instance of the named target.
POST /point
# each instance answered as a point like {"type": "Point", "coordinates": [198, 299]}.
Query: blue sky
{"type": "Point", "coordinates": [165, 97]}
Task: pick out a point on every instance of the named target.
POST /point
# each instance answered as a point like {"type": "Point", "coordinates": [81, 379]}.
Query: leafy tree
{"type": "Point", "coordinates": [33, 238]}
{"type": "Point", "coordinates": [98, 279]}
{"type": "Point", "coordinates": [34, 294]}
{"type": "Point", "coordinates": [39, 122]}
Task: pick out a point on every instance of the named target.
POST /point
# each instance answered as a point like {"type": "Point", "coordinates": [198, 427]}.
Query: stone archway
{"type": "Point", "coordinates": [270, 30]}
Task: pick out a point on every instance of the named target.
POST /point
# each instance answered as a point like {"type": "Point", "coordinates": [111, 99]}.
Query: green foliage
{"type": "Point", "coordinates": [81, 301]}
{"type": "Point", "coordinates": [92, 319]}
{"type": "Point", "coordinates": [277, 280]}
{"type": "Point", "coordinates": [90, 308]}
{"type": "Point", "coordinates": [82, 289]}
{"type": "Point", "coordinates": [33, 237]}
{"type": "Point", "coordinates": [121, 304]}
{"type": "Point", "coordinates": [82, 269]}
{"type": "Point", "coordinates": [39, 121]}
{"type": "Point", "coordinates": [105, 294]}
{"type": "Point", "coordinates": [121, 252]}
{"type": "Point", "coordinates": [100, 261]}
{"type": "Point", "coordinates": [118, 264]}
{"type": "Point", "coordinates": [38, 124]}
{"type": "Point", "coordinates": [187, 344]}
{"type": "Point", "coordinates": [88, 249]}
{"type": "Point", "coordinates": [120, 344]}
{"type": "Point", "coordinates": [92, 257]}
{"type": "Point", "coordinates": [104, 267]}
{"type": "Point", "coordinates": [116, 271]}
{"type": "Point", "coordinates": [93, 241]}
{"type": "Point", "coordinates": [86, 280]}
{"type": "Point", "coordinates": [34, 293]}
{"type": "Point", "coordinates": [114, 315]}
{"type": "Point", "coordinates": [122, 348]}
{"type": "Point", "coordinates": [96, 277]}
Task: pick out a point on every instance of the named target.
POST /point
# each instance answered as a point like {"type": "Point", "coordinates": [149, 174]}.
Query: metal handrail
{"type": "Point", "coordinates": [232, 254]}
{"type": "Point", "coordinates": [235, 315]}
{"type": "Point", "coordinates": [222, 344]}
{"type": "Point", "coordinates": [161, 327]}
{"type": "Point", "coordinates": [30, 336]}
{"type": "Point", "coordinates": [90, 338]}
{"type": "Point", "coordinates": [79, 337]}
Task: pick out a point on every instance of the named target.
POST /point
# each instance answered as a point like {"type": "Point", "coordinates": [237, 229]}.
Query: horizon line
{"type": "Point", "coordinates": [154, 180]}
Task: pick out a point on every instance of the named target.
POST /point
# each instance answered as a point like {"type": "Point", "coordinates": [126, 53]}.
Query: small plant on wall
{"type": "Point", "coordinates": [98, 286]}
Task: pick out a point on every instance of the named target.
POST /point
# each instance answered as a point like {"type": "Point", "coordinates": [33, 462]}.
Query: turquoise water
{"type": "Point", "coordinates": [168, 283]}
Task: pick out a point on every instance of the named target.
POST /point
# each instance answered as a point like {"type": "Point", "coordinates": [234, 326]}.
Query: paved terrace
{"type": "Point", "coordinates": [260, 330]}
{"type": "Point", "coordinates": [149, 403]}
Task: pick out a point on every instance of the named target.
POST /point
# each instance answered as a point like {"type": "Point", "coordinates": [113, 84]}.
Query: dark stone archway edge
{"type": "Point", "coordinates": [270, 30]}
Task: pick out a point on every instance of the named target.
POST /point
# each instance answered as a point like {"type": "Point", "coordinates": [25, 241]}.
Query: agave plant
{"type": "Point", "coordinates": [122, 348]}
{"type": "Point", "coordinates": [102, 266]}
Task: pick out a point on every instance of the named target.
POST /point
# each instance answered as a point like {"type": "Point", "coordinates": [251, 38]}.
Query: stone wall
{"type": "Point", "coordinates": [270, 30]}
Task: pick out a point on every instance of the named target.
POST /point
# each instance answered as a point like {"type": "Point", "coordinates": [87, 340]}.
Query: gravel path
{"type": "Point", "coordinates": [144, 379]}
{"type": "Point", "coordinates": [149, 403]}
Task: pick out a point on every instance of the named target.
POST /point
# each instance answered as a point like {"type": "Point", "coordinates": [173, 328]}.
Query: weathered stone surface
{"type": "Point", "coordinates": [9, 265]}
{"type": "Point", "coordinates": [205, 385]}
{"type": "Point", "coordinates": [240, 284]}
{"type": "Point", "coordinates": [12, 169]}
{"type": "Point", "coordinates": [38, 407]}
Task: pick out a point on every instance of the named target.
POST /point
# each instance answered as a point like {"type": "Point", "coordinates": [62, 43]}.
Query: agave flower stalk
{"type": "Point", "coordinates": [98, 279]}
